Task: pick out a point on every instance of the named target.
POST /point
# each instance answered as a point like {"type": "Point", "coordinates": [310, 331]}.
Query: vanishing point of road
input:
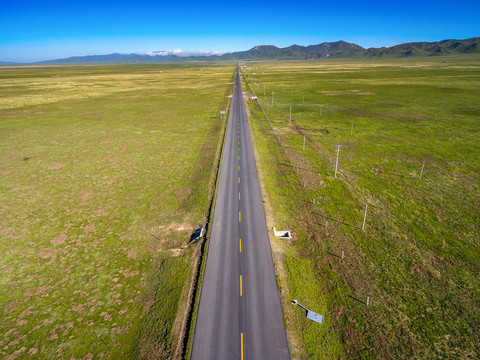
{"type": "Point", "coordinates": [239, 313]}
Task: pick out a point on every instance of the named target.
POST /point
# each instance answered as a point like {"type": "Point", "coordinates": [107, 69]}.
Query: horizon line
{"type": "Point", "coordinates": [208, 53]}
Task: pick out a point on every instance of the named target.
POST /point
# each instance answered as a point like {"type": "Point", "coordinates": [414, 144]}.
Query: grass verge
{"type": "Point", "coordinates": [415, 261]}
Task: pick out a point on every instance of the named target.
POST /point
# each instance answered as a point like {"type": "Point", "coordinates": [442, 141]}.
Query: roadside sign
{"type": "Point", "coordinates": [310, 314]}
{"type": "Point", "coordinates": [314, 316]}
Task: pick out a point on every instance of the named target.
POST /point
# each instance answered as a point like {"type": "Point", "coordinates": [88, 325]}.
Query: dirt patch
{"type": "Point", "coordinates": [45, 253]}
{"type": "Point", "coordinates": [56, 166]}
{"type": "Point", "coordinates": [108, 182]}
{"type": "Point", "coordinates": [7, 270]}
{"type": "Point", "coordinates": [163, 232]}
{"type": "Point", "coordinates": [106, 316]}
{"type": "Point", "coordinates": [86, 195]}
{"type": "Point", "coordinates": [59, 240]}
{"type": "Point", "coordinates": [101, 212]}
{"type": "Point", "coordinates": [132, 254]}
{"type": "Point", "coordinates": [345, 92]}
{"type": "Point", "coordinates": [90, 228]}
{"type": "Point", "coordinates": [7, 232]}
{"type": "Point", "coordinates": [286, 130]}
{"type": "Point", "coordinates": [177, 227]}
{"type": "Point", "coordinates": [323, 131]}
{"type": "Point", "coordinates": [179, 251]}
{"type": "Point", "coordinates": [16, 354]}
{"type": "Point", "coordinates": [9, 306]}
{"type": "Point", "coordinates": [33, 351]}
{"type": "Point", "coordinates": [128, 273]}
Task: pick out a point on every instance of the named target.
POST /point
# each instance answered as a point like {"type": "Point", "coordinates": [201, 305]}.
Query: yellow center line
{"type": "Point", "coordinates": [240, 243]}
{"type": "Point", "coordinates": [238, 157]}
{"type": "Point", "coordinates": [241, 285]}
{"type": "Point", "coordinates": [238, 167]}
{"type": "Point", "coordinates": [239, 216]}
{"type": "Point", "coordinates": [238, 149]}
{"type": "Point", "coordinates": [239, 179]}
{"type": "Point", "coordinates": [239, 195]}
{"type": "Point", "coordinates": [241, 345]}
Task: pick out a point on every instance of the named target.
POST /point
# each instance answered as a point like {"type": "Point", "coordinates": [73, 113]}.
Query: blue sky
{"type": "Point", "coordinates": [41, 30]}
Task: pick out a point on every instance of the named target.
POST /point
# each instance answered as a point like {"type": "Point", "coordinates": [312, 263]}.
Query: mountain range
{"type": "Point", "coordinates": [342, 49]}
{"type": "Point", "coordinates": [338, 49]}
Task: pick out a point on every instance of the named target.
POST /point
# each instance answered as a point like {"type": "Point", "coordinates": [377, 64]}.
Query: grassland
{"type": "Point", "coordinates": [105, 172]}
{"type": "Point", "coordinates": [418, 258]}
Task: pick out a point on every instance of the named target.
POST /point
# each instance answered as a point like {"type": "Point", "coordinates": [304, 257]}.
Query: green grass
{"type": "Point", "coordinates": [156, 332]}
{"type": "Point", "coordinates": [105, 171]}
{"type": "Point", "coordinates": [418, 258]}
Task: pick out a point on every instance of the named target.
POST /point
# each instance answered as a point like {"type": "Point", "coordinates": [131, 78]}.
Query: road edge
{"type": "Point", "coordinates": [202, 252]}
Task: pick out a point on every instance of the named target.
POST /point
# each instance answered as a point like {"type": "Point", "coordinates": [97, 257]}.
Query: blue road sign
{"type": "Point", "coordinates": [314, 316]}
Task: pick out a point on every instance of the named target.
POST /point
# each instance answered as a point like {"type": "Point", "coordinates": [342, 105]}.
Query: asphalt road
{"type": "Point", "coordinates": [239, 314]}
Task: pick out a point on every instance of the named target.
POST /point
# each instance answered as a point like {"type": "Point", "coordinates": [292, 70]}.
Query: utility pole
{"type": "Point", "coordinates": [336, 163]}
{"type": "Point", "coordinates": [421, 172]}
{"type": "Point", "coordinates": [364, 217]}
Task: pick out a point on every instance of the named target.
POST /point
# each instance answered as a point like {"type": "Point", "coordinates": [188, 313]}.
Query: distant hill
{"type": "Point", "coordinates": [117, 58]}
{"type": "Point", "coordinates": [338, 49]}
{"type": "Point", "coordinates": [437, 48]}
{"type": "Point", "coordinates": [111, 59]}
{"type": "Point", "coordinates": [332, 49]}
{"type": "Point", "coordinates": [342, 49]}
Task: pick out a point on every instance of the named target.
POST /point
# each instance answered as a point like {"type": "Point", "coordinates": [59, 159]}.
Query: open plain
{"type": "Point", "coordinates": [105, 171]}
{"type": "Point", "coordinates": [409, 132]}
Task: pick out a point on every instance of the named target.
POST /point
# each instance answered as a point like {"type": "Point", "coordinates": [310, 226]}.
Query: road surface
{"type": "Point", "coordinates": [239, 313]}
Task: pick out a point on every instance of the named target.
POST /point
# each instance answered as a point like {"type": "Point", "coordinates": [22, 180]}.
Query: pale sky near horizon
{"type": "Point", "coordinates": [42, 30]}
